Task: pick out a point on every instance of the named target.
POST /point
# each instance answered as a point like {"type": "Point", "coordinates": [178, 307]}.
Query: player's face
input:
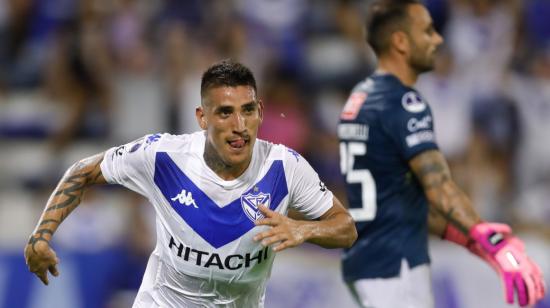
{"type": "Point", "coordinates": [231, 116]}
{"type": "Point", "coordinates": [423, 38]}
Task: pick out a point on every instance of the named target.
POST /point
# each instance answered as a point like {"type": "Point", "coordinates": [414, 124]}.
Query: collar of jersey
{"type": "Point", "coordinates": [198, 150]}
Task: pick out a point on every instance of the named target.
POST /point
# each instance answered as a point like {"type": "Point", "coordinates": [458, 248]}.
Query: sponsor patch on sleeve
{"type": "Point", "coordinates": [412, 102]}
{"type": "Point", "coordinates": [353, 105]}
{"type": "Point", "coordinates": [420, 137]}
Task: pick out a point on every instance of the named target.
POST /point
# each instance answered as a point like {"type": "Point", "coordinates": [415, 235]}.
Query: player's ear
{"type": "Point", "coordinates": [261, 110]}
{"type": "Point", "coordinates": [400, 41]}
{"type": "Point", "coordinates": [201, 118]}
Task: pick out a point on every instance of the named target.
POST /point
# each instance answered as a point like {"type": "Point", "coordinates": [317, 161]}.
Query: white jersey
{"type": "Point", "coordinates": [205, 254]}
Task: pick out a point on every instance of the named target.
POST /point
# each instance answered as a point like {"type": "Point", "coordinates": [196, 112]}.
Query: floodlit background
{"type": "Point", "coordinates": [77, 77]}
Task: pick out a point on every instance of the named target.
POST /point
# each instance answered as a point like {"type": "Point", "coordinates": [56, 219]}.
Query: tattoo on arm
{"type": "Point", "coordinates": [443, 194]}
{"type": "Point", "coordinates": [67, 196]}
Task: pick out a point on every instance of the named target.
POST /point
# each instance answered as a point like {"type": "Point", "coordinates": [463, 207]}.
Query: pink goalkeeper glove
{"type": "Point", "coordinates": [495, 244]}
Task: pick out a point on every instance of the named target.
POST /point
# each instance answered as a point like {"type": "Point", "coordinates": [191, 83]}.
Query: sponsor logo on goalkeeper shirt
{"type": "Point", "coordinates": [415, 124]}
{"type": "Point", "coordinates": [412, 102]}
{"type": "Point", "coordinates": [420, 137]}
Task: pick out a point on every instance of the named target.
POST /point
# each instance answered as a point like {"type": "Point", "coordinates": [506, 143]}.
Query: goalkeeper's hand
{"type": "Point", "coordinates": [495, 244]}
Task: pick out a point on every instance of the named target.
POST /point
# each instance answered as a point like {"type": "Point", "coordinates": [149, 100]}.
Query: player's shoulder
{"type": "Point", "coordinates": [377, 93]}
{"type": "Point", "coordinates": [166, 142]}
{"type": "Point", "coordinates": [271, 151]}
{"type": "Point", "coordinates": [397, 97]}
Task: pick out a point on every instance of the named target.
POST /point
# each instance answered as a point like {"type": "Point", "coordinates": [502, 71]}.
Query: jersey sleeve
{"type": "Point", "coordinates": [410, 124]}
{"type": "Point", "coordinates": [131, 165]}
{"type": "Point", "coordinates": [308, 194]}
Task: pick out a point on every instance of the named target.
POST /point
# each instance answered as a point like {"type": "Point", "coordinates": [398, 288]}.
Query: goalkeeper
{"type": "Point", "coordinates": [398, 183]}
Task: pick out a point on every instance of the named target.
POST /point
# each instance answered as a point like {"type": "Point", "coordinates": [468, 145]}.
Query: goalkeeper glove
{"type": "Point", "coordinates": [494, 243]}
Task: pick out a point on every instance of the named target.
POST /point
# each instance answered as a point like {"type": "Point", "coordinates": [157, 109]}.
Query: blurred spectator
{"type": "Point", "coordinates": [531, 90]}
{"type": "Point", "coordinates": [447, 92]}
{"type": "Point", "coordinates": [284, 113]}
{"type": "Point", "coordinates": [480, 34]}
{"type": "Point", "coordinates": [21, 51]}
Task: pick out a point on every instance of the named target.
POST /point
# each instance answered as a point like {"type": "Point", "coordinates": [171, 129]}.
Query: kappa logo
{"type": "Point", "coordinates": [185, 198]}
{"type": "Point", "coordinates": [250, 203]}
{"type": "Point", "coordinates": [151, 139]}
{"type": "Point", "coordinates": [294, 153]}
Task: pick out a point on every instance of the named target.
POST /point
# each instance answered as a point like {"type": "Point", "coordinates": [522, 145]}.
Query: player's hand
{"type": "Point", "coordinates": [506, 254]}
{"type": "Point", "coordinates": [40, 259]}
{"type": "Point", "coordinates": [285, 231]}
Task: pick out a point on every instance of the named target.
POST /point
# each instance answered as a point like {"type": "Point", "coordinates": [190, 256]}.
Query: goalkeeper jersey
{"type": "Point", "coordinates": [205, 255]}
{"type": "Point", "coordinates": [384, 124]}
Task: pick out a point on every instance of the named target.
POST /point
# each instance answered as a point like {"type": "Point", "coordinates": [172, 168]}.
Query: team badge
{"type": "Point", "coordinates": [250, 203]}
{"type": "Point", "coordinates": [353, 105]}
{"type": "Point", "coordinates": [412, 102]}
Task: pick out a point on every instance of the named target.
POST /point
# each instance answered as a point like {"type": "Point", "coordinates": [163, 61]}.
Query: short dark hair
{"type": "Point", "coordinates": [383, 18]}
{"type": "Point", "coordinates": [227, 73]}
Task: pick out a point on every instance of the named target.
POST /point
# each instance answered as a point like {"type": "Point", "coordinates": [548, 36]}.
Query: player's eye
{"type": "Point", "coordinates": [430, 30]}
{"type": "Point", "coordinates": [249, 109]}
{"type": "Point", "coordinates": [225, 112]}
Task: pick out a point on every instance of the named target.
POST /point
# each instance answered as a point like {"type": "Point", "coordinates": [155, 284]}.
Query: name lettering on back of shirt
{"type": "Point", "coordinates": [351, 131]}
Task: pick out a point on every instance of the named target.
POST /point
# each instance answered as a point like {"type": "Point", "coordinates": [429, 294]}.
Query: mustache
{"type": "Point", "coordinates": [244, 135]}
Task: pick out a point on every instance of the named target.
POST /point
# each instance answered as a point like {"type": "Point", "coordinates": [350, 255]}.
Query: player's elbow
{"type": "Point", "coordinates": [351, 232]}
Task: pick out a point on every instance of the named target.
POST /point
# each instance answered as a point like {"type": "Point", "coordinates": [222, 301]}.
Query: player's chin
{"type": "Point", "coordinates": [425, 67]}
{"type": "Point", "coordinates": [237, 155]}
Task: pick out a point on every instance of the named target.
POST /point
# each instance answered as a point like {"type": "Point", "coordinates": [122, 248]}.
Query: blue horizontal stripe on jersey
{"type": "Point", "coordinates": [216, 225]}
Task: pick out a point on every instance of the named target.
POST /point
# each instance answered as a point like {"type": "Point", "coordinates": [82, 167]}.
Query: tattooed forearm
{"type": "Point", "coordinates": [67, 196]}
{"type": "Point", "coordinates": [446, 198]}
{"type": "Point", "coordinates": [73, 191]}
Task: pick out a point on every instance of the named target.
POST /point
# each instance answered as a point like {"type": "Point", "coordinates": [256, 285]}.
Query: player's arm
{"type": "Point", "coordinates": [436, 222]}
{"type": "Point", "coordinates": [492, 242]}
{"type": "Point", "coordinates": [39, 256]}
{"type": "Point", "coordinates": [444, 196]}
{"type": "Point", "coordinates": [334, 229]}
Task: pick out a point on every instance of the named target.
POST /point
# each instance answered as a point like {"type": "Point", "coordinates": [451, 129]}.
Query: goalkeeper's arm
{"type": "Point", "coordinates": [453, 216]}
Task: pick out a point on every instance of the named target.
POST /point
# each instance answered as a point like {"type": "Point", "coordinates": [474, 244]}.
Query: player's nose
{"type": "Point", "coordinates": [239, 123]}
{"type": "Point", "coordinates": [438, 39]}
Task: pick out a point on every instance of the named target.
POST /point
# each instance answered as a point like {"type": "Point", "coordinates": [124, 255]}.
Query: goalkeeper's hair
{"type": "Point", "coordinates": [227, 73]}
{"type": "Point", "coordinates": [385, 17]}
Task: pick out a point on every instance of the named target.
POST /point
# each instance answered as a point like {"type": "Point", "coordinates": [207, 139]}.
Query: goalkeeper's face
{"type": "Point", "coordinates": [423, 39]}
{"type": "Point", "coordinates": [231, 117]}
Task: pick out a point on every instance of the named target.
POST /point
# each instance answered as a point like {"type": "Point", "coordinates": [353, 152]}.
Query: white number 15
{"type": "Point", "coordinates": [359, 176]}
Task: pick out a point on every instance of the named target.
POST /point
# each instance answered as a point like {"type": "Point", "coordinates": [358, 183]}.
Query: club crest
{"type": "Point", "coordinates": [250, 203]}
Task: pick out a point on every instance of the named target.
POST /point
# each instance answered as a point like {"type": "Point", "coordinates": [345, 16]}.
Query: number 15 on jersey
{"type": "Point", "coordinates": [348, 152]}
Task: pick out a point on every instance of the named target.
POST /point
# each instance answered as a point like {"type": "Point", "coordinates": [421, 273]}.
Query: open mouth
{"type": "Point", "coordinates": [237, 143]}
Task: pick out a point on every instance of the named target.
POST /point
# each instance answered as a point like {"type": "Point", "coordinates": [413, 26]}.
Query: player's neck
{"type": "Point", "coordinates": [216, 164]}
{"type": "Point", "coordinates": [399, 68]}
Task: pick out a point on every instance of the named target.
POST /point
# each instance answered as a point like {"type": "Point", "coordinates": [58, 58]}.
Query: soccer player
{"type": "Point", "coordinates": [220, 197]}
{"type": "Point", "coordinates": [398, 183]}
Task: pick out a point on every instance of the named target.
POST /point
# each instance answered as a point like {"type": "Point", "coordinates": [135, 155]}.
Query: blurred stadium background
{"type": "Point", "coordinates": [77, 77]}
